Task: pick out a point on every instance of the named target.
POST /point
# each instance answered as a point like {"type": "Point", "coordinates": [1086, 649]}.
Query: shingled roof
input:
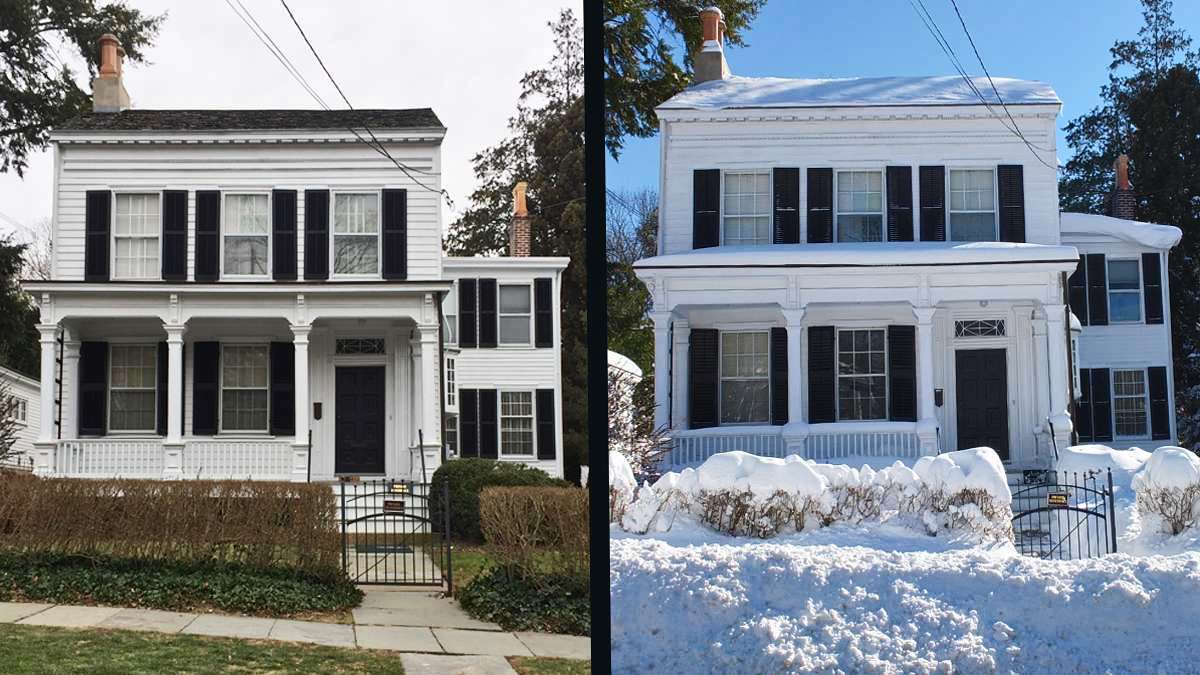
{"type": "Point", "coordinates": [237, 120]}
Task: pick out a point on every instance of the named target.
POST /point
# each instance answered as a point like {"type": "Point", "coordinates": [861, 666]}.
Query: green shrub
{"type": "Point", "coordinates": [518, 600]}
{"type": "Point", "coordinates": [467, 478]}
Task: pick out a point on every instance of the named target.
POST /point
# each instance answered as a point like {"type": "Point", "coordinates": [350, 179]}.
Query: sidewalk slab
{"type": "Point", "coordinates": [218, 625]}
{"type": "Point", "coordinates": [13, 611]}
{"type": "Point", "coordinates": [429, 612]}
{"type": "Point", "coordinates": [70, 616]}
{"type": "Point", "coordinates": [397, 638]}
{"type": "Point", "coordinates": [457, 641]}
{"type": "Point", "coordinates": [328, 634]}
{"type": "Point", "coordinates": [557, 646]}
{"type": "Point", "coordinates": [436, 664]}
{"type": "Point", "coordinates": [152, 620]}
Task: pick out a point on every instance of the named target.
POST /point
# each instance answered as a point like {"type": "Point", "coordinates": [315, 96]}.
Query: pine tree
{"type": "Point", "coordinates": [18, 315]}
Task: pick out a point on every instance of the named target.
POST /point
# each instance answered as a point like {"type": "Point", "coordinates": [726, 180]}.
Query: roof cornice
{"type": "Point", "coordinates": [430, 135]}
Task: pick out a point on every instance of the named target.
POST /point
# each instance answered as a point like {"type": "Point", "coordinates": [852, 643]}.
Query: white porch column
{"type": "Point", "coordinates": [45, 446]}
{"type": "Point", "coordinates": [681, 332]}
{"type": "Point", "coordinates": [1056, 351]}
{"type": "Point", "coordinates": [173, 443]}
{"type": "Point", "coordinates": [300, 449]}
{"type": "Point", "coordinates": [431, 426]}
{"type": "Point", "coordinates": [70, 375]}
{"type": "Point", "coordinates": [927, 425]}
{"type": "Point", "coordinates": [795, 433]}
{"type": "Point", "coordinates": [1041, 385]}
{"type": "Point", "coordinates": [662, 369]}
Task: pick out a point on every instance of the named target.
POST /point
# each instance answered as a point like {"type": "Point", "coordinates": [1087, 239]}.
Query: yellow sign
{"type": "Point", "coordinates": [1058, 499]}
{"type": "Point", "coordinates": [401, 488]}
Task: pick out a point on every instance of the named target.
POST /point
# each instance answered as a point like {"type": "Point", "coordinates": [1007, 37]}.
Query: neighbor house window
{"type": "Point", "coordinates": [745, 384]}
{"type": "Point", "coordinates": [862, 375]}
{"type": "Point", "coordinates": [244, 387]}
{"type": "Point", "coordinates": [747, 211]}
{"type": "Point", "coordinates": [451, 435]}
{"type": "Point", "coordinates": [135, 237]}
{"type": "Point", "coordinates": [516, 423]}
{"type": "Point", "coordinates": [246, 230]}
{"type": "Point", "coordinates": [450, 317]}
{"type": "Point", "coordinates": [356, 233]}
{"type": "Point", "coordinates": [514, 315]}
{"type": "Point", "coordinates": [18, 409]}
{"type": "Point", "coordinates": [1129, 403]}
{"type": "Point", "coordinates": [859, 206]}
{"type": "Point", "coordinates": [131, 387]}
{"type": "Point", "coordinates": [1124, 291]}
{"type": "Point", "coordinates": [451, 390]}
{"type": "Point", "coordinates": [972, 205]}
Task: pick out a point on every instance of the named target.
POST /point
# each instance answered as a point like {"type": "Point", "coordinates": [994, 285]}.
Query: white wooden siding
{"type": "Point", "coordinates": [27, 432]}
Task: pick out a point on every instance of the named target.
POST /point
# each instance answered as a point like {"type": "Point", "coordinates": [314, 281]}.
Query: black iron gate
{"type": "Point", "coordinates": [1063, 516]}
{"type": "Point", "coordinates": [389, 536]}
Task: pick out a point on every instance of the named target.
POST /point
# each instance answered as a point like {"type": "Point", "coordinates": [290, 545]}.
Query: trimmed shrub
{"type": "Point", "coordinates": [467, 478]}
{"type": "Point", "coordinates": [537, 529]}
{"type": "Point", "coordinates": [517, 600]}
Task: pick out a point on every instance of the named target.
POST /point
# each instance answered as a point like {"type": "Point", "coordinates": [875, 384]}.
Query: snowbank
{"type": "Point", "coordinates": [621, 485]}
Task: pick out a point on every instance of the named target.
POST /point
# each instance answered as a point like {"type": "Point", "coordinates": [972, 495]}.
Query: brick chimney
{"type": "Point", "coordinates": [108, 92]}
{"type": "Point", "coordinates": [518, 233]}
{"type": "Point", "coordinates": [710, 61]}
{"type": "Point", "coordinates": [1121, 201]}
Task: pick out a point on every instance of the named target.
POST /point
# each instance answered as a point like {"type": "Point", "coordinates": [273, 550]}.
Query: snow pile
{"type": "Point", "coordinates": [621, 485]}
{"type": "Point", "coordinates": [1144, 234]}
{"type": "Point", "coordinates": [1168, 493]}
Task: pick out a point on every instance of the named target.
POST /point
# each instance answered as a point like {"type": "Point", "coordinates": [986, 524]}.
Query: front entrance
{"type": "Point", "coordinates": [359, 424]}
{"type": "Point", "coordinates": [981, 383]}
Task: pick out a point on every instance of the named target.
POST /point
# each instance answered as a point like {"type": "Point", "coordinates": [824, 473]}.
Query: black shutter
{"type": "Point", "coordinates": [316, 234]}
{"type": "Point", "coordinates": [175, 230]}
{"type": "Point", "coordinates": [706, 208]}
{"type": "Point", "coordinates": [932, 188]}
{"type": "Point", "coordinates": [467, 322]}
{"type": "Point", "coordinates": [1160, 408]}
{"type": "Point", "coordinates": [489, 429]}
{"type": "Point", "coordinates": [820, 206]}
{"type": "Point", "coordinates": [902, 373]}
{"type": "Point", "coordinates": [283, 389]}
{"type": "Point", "coordinates": [1152, 287]}
{"type": "Point", "coordinates": [93, 388]}
{"type": "Point", "coordinates": [787, 206]}
{"type": "Point", "coordinates": [703, 378]}
{"type": "Point", "coordinates": [283, 230]}
{"type": "Point", "coordinates": [899, 203]}
{"type": "Point", "coordinates": [489, 321]}
{"type": "Point", "coordinates": [1077, 292]}
{"type": "Point", "coordinates": [546, 447]}
{"type": "Point", "coordinates": [160, 412]}
{"type": "Point", "coordinates": [1083, 410]}
{"type": "Point", "coordinates": [1010, 181]}
{"type": "Point", "coordinates": [1097, 287]}
{"type": "Point", "coordinates": [1101, 406]}
{"type": "Point", "coordinates": [208, 235]}
{"type": "Point", "coordinates": [779, 375]}
{"type": "Point", "coordinates": [468, 422]}
{"type": "Point", "coordinates": [543, 313]}
{"type": "Point", "coordinates": [206, 367]}
{"type": "Point", "coordinates": [822, 374]}
{"type": "Point", "coordinates": [97, 216]}
{"type": "Point", "coordinates": [395, 234]}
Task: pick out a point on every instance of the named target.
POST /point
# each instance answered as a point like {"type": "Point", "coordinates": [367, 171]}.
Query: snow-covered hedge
{"type": "Point", "coordinates": [1168, 491]}
{"type": "Point", "coordinates": [621, 485]}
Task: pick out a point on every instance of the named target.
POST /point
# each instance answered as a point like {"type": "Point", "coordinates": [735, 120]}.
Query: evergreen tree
{"type": "Point", "coordinates": [18, 315]}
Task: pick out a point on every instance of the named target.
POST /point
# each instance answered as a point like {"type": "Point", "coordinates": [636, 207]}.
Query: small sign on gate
{"type": "Point", "coordinates": [1058, 500]}
{"type": "Point", "coordinates": [393, 506]}
{"type": "Point", "coordinates": [401, 488]}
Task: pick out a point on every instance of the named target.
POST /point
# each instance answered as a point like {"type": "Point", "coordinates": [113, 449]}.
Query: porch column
{"type": "Point", "coordinates": [681, 332]}
{"type": "Point", "coordinates": [70, 375]}
{"type": "Point", "coordinates": [431, 426]}
{"type": "Point", "coordinates": [48, 338]}
{"type": "Point", "coordinates": [927, 424]}
{"type": "Point", "coordinates": [1041, 386]}
{"type": "Point", "coordinates": [1056, 350]}
{"type": "Point", "coordinates": [173, 443]}
{"type": "Point", "coordinates": [662, 369]}
{"type": "Point", "coordinates": [795, 433]}
{"type": "Point", "coordinates": [300, 449]}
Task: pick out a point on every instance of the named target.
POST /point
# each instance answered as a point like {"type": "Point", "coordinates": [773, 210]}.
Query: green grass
{"type": "Point", "coordinates": [31, 649]}
{"type": "Point", "coordinates": [468, 561]}
{"type": "Point", "coordinates": [525, 665]}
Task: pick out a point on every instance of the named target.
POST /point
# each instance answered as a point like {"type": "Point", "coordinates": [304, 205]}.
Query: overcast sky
{"type": "Point", "coordinates": [463, 58]}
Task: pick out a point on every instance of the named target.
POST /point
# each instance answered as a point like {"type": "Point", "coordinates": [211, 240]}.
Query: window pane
{"type": "Point", "coordinates": [355, 254]}
{"type": "Point", "coordinates": [1124, 306]}
{"type": "Point", "coordinates": [246, 214]}
{"type": "Point", "coordinates": [132, 387]}
{"type": "Point", "coordinates": [514, 329]}
{"type": "Point", "coordinates": [1129, 402]}
{"type": "Point", "coordinates": [137, 214]}
{"type": "Point", "coordinates": [1123, 275]}
{"type": "Point", "coordinates": [516, 423]}
{"type": "Point", "coordinates": [862, 375]}
{"type": "Point", "coordinates": [514, 299]}
{"type": "Point", "coordinates": [356, 213]}
{"type": "Point", "coordinates": [745, 387]}
{"type": "Point", "coordinates": [860, 228]}
{"type": "Point", "coordinates": [245, 255]}
{"type": "Point", "coordinates": [745, 401]}
{"type": "Point", "coordinates": [747, 208]}
{"type": "Point", "coordinates": [244, 410]}
{"type": "Point", "coordinates": [972, 226]}
{"type": "Point", "coordinates": [133, 410]}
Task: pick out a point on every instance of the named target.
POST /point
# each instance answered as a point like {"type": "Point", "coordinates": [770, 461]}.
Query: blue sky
{"type": "Point", "coordinates": [1063, 42]}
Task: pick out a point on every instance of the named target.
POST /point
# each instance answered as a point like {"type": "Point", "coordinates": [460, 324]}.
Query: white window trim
{"type": "Point", "coordinates": [1112, 397]}
{"type": "Point", "coordinates": [378, 192]}
{"type": "Point", "coordinates": [1139, 291]}
{"type": "Point", "coordinates": [109, 431]}
{"type": "Point", "coordinates": [20, 410]}
{"type": "Point", "coordinates": [721, 378]}
{"type": "Point", "coordinates": [225, 276]}
{"type": "Point", "coordinates": [770, 171]}
{"type": "Point", "coordinates": [112, 234]}
{"type": "Point", "coordinates": [457, 436]}
{"type": "Point", "coordinates": [500, 343]}
{"type": "Point", "coordinates": [451, 379]}
{"type": "Point", "coordinates": [995, 201]}
{"type": "Point", "coordinates": [221, 431]}
{"type": "Point", "coordinates": [882, 204]}
{"type": "Point", "coordinates": [500, 454]}
{"type": "Point", "coordinates": [887, 374]}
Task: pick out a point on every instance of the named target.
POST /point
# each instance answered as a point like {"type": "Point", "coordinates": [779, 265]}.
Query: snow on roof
{"type": "Point", "coordinates": [864, 254]}
{"type": "Point", "coordinates": [1145, 234]}
{"type": "Point", "coordinates": [778, 92]}
{"type": "Point", "coordinates": [622, 362]}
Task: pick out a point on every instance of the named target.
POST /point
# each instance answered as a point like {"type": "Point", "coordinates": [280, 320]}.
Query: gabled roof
{"type": "Point", "coordinates": [242, 120]}
{"type": "Point", "coordinates": [779, 92]}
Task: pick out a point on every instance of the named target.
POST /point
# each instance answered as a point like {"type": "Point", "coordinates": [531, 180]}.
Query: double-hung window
{"type": "Point", "coordinates": [516, 423]}
{"type": "Point", "coordinates": [451, 385]}
{"type": "Point", "coordinates": [862, 374]}
{"type": "Point", "coordinates": [136, 228]}
{"type": "Point", "coordinates": [515, 314]}
{"type": "Point", "coordinates": [859, 206]}
{"type": "Point", "coordinates": [244, 387]}
{"type": "Point", "coordinates": [18, 409]}
{"type": "Point", "coordinates": [356, 233]}
{"type": "Point", "coordinates": [132, 382]}
{"type": "Point", "coordinates": [1124, 291]}
{"type": "Point", "coordinates": [450, 435]}
{"type": "Point", "coordinates": [246, 231]}
{"type": "Point", "coordinates": [1129, 403]}
{"type": "Point", "coordinates": [745, 377]}
{"type": "Point", "coordinates": [972, 205]}
{"type": "Point", "coordinates": [450, 317]}
{"type": "Point", "coordinates": [747, 211]}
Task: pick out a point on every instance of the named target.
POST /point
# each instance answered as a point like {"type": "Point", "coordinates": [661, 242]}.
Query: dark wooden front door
{"type": "Point", "coordinates": [981, 382]}
{"type": "Point", "coordinates": [359, 424]}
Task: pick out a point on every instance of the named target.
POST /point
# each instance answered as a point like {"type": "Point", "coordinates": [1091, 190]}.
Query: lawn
{"type": "Point", "coordinates": [543, 666]}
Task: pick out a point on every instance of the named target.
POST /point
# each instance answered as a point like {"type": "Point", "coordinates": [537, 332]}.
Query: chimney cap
{"type": "Point", "coordinates": [1121, 166]}
{"type": "Point", "coordinates": [713, 8]}
{"type": "Point", "coordinates": [520, 207]}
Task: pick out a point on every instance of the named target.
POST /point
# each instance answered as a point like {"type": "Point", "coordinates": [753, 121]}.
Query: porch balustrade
{"type": "Point", "coordinates": [823, 443]}
{"type": "Point", "coordinates": [210, 459]}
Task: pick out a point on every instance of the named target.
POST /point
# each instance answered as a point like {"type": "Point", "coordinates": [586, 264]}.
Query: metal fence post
{"type": "Point", "coordinates": [446, 527]}
{"type": "Point", "coordinates": [1112, 513]}
{"type": "Point", "coordinates": [345, 546]}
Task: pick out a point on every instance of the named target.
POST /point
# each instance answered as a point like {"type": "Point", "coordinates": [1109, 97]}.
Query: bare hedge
{"type": "Point", "coordinates": [262, 525]}
{"type": "Point", "coordinates": [537, 528]}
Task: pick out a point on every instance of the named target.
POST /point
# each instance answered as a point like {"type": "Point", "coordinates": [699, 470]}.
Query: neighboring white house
{"type": "Point", "coordinates": [876, 267]}
{"type": "Point", "coordinates": [24, 410]}
{"type": "Point", "coordinates": [258, 293]}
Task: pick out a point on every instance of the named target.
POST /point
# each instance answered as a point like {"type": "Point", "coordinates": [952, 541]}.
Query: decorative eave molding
{"type": "Point", "coordinates": [851, 114]}
{"type": "Point", "coordinates": [242, 137]}
{"type": "Point", "coordinates": [480, 263]}
{"type": "Point", "coordinates": [999, 135]}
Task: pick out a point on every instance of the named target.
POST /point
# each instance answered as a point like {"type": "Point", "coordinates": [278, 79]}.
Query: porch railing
{"type": "Point", "coordinates": [823, 443]}
{"type": "Point", "coordinates": [109, 458]}
{"type": "Point", "coordinates": [829, 443]}
{"type": "Point", "coordinates": [692, 448]}
{"type": "Point", "coordinates": [214, 459]}
{"type": "Point", "coordinates": [241, 459]}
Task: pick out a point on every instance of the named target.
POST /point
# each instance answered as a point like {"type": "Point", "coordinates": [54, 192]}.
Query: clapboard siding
{"type": "Point", "coordinates": [233, 167]}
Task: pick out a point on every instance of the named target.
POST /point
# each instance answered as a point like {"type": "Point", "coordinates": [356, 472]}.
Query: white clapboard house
{"type": "Point", "coordinates": [258, 293]}
{"type": "Point", "coordinates": [878, 268]}
{"type": "Point", "coordinates": [23, 396]}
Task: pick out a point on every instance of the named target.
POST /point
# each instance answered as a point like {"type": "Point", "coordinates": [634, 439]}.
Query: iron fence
{"type": "Point", "coordinates": [389, 536]}
{"type": "Point", "coordinates": [1064, 516]}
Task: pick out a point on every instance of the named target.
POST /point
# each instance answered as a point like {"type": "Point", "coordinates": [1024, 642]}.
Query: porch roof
{"type": "Point", "coordinates": [864, 254]}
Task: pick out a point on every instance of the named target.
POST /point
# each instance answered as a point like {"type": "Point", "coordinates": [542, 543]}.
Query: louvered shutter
{"type": "Point", "coordinates": [283, 234]}
{"type": "Point", "coordinates": [1101, 405]}
{"type": "Point", "coordinates": [160, 412]}
{"type": "Point", "coordinates": [1152, 287]}
{"type": "Point", "coordinates": [97, 221]}
{"type": "Point", "coordinates": [1077, 292]}
{"type": "Point", "coordinates": [93, 389]}
{"type": "Point", "coordinates": [546, 436]}
{"type": "Point", "coordinates": [489, 320]}
{"type": "Point", "coordinates": [1083, 409]}
{"type": "Point", "coordinates": [316, 234]}
{"type": "Point", "coordinates": [206, 369]}
{"type": "Point", "coordinates": [543, 313]}
{"type": "Point", "coordinates": [822, 374]}
{"type": "Point", "coordinates": [820, 205]}
{"type": "Point", "coordinates": [1010, 181]}
{"type": "Point", "coordinates": [899, 203]}
{"type": "Point", "coordinates": [468, 322]}
{"type": "Point", "coordinates": [283, 389]}
{"type": "Point", "coordinates": [1097, 287]}
{"type": "Point", "coordinates": [174, 231]}
{"type": "Point", "coordinates": [489, 428]}
{"type": "Point", "coordinates": [902, 373]}
{"type": "Point", "coordinates": [395, 234]}
{"type": "Point", "coordinates": [932, 189]}
{"type": "Point", "coordinates": [208, 235]}
{"type": "Point", "coordinates": [468, 422]}
{"type": "Point", "coordinates": [1160, 403]}
{"type": "Point", "coordinates": [703, 378]}
{"type": "Point", "coordinates": [786, 215]}
{"type": "Point", "coordinates": [706, 208]}
{"type": "Point", "coordinates": [779, 375]}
